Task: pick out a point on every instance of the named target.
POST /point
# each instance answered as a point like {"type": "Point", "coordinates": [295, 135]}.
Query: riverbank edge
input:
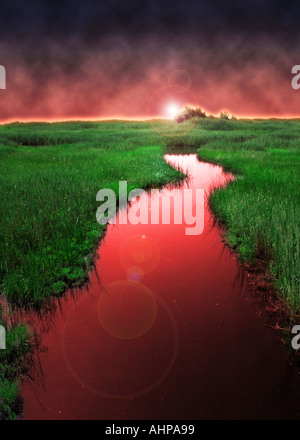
{"type": "Point", "coordinates": [276, 312]}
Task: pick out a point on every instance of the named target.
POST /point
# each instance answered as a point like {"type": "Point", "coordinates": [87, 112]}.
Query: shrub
{"type": "Point", "coordinates": [225, 115]}
{"type": "Point", "coordinates": [189, 113]}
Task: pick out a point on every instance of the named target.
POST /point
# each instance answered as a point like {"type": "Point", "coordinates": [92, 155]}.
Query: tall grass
{"type": "Point", "coordinates": [48, 227]}
{"type": "Point", "coordinates": [13, 365]}
{"type": "Point", "coordinates": [261, 207]}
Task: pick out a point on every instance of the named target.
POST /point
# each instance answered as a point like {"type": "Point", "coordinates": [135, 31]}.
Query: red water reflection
{"type": "Point", "coordinates": [163, 331]}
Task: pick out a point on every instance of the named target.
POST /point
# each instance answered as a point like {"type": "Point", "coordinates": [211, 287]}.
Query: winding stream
{"type": "Point", "coordinates": [165, 330]}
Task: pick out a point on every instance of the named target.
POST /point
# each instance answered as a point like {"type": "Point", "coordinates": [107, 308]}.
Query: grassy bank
{"type": "Point", "coordinates": [14, 362]}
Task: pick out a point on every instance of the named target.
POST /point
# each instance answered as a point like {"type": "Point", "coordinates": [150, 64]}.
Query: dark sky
{"type": "Point", "coordinates": [93, 59]}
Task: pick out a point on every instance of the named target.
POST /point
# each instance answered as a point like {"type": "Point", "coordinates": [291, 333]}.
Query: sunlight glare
{"type": "Point", "coordinates": [172, 109]}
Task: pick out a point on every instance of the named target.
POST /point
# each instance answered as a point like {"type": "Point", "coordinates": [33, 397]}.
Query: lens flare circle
{"type": "Point", "coordinates": [140, 251]}
{"type": "Point", "coordinates": [127, 310]}
{"type": "Point", "coordinates": [119, 368]}
{"type": "Point", "coordinates": [135, 274]}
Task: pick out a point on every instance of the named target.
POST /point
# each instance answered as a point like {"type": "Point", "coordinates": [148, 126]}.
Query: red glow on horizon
{"type": "Point", "coordinates": [134, 118]}
{"type": "Point", "coordinates": [26, 101]}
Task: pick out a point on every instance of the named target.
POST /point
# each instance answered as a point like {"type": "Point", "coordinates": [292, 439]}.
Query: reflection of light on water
{"type": "Point", "coordinates": [130, 355]}
{"type": "Point", "coordinates": [128, 310]}
{"type": "Point", "coordinates": [113, 367]}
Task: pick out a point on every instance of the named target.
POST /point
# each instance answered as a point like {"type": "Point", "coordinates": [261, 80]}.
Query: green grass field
{"type": "Point", "coordinates": [261, 208]}
{"type": "Point", "coordinates": [50, 174]}
{"type": "Point", "coordinates": [49, 180]}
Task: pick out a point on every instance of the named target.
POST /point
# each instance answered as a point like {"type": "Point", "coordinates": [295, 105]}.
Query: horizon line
{"type": "Point", "coordinates": [132, 119]}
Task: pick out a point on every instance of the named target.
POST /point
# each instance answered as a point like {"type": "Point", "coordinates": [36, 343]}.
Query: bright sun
{"type": "Point", "coordinates": [172, 109]}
